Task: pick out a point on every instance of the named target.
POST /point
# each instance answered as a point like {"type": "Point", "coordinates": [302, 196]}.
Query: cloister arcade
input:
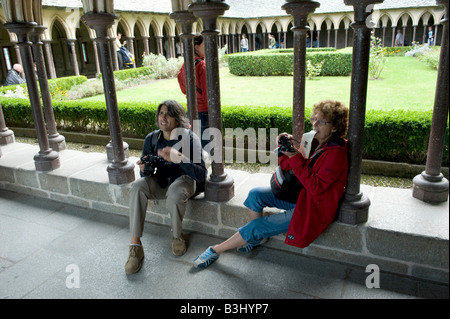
{"type": "Point", "coordinates": [70, 46]}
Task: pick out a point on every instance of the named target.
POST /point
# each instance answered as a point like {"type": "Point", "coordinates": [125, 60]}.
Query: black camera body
{"type": "Point", "coordinates": [285, 145]}
{"type": "Point", "coordinates": [152, 162]}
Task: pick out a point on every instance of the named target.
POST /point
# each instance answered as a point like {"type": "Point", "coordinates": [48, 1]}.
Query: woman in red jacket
{"type": "Point", "coordinates": [323, 186]}
{"type": "Point", "coordinates": [200, 82]}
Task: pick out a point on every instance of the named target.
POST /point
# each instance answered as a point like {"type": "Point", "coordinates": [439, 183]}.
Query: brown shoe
{"type": "Point", "coordinates": [178, 245]}
{"type": "Point", "coordinates": [134, 261]}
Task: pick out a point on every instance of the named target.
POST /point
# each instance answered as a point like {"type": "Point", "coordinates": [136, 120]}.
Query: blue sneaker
{"type": "Point", "coordinates": [207, 258]}
{"type": "Point", "coordinates": [249, 247]}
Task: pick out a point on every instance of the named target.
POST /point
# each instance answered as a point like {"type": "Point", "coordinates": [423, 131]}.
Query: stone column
{"type": "Point", "coordinates": [431, 186]}
{"type": "Point", "coordinates": [18, 55]}
{"type": "Point", "coordinates": [56, 141]}
{"type": "Point", "coordinates": [6, 135]}
{"type": "Point", "coordinates": [146, 47]}
{"type": "Point", "coordinates": [74, 56]}
{"type": "Point", "coordinates": [186, 20]}
{"type": "Point", "coordinates": [159, 45]}
{"type": "Point", "coordinates": [97, 63]}
{"type": "Point", "coordinates": [50, 60]}
{"type": "Point", "coordinates": [47, 159]}
{"type": "Point", "coordinates": [299, 9]}
{"type": "Point", "coordinates": [120, 171]}
{"type": "Point", "coordinates": [355, 207]}
{"type": "Point", "coordinates": [219, 186]}
{"type": "Point", "coordinates": [114, 54]}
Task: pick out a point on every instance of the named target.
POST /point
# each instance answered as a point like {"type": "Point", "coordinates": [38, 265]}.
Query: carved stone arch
{"type": "Point", "coordinates": [142, 26]}
{"type": "Point", "coordinates": [168, 38]}
{"type": "Point", "coordinates": [125, 27]}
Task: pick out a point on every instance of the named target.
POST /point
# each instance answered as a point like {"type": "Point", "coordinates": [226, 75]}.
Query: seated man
{"type": "Point", "coordinates": [14, 76]}
{"type": "Point", "coordinates": [171, 174]}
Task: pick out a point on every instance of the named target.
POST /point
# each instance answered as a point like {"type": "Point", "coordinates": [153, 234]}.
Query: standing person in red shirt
{"type": "Point", "coordinates": [200, 79]}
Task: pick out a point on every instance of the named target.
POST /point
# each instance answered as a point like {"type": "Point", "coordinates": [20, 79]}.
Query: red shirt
{"type": "Point", "coordinates": [200, 81]}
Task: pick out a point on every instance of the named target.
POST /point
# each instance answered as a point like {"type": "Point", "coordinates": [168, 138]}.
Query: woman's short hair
{"type": "Point", "coordinates": [335, 112]}
{"type": "Point", "coordinates": [198, 39]}
{"type": "Point", "coordinates": [176, 110]}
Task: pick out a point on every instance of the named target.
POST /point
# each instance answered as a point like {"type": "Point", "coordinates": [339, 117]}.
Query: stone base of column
{"type": "Point", "coordinates": [430, 189]}
{"type": "Point", "coordinates": [123, 174]}
{"type": "Point", "coordinates": [57, 142]}
{"type": "Point", "coordinates": [354, 212]}
{"type": "Point", "coordinates": [7, 137]}
{"type": "Point", "coordinates": [110, 152]}
{"type": "Point", "coordinates": [219, 191]}
{"type": "Point", "coordinates": [46, 161]}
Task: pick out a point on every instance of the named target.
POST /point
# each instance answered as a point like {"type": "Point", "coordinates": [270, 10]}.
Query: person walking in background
{"type": "Point", "coordinates": [399, 39]}
{"type": "Point", "coordinates": [15, 76]}
{"type": "Point", "coordinates": [430, 36]}
{"type": "Point", "coordinates": [117, 46]}
{"type": "Point", "coordinates": [244, 43]}
{"type": "Point", "coordinates": [273, 44]}
{"type": "Point", "coordinates": [200, 82]}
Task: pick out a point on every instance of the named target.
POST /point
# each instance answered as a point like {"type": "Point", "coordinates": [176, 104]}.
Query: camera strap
{"type": "Point", "coordinates": [155, 138]}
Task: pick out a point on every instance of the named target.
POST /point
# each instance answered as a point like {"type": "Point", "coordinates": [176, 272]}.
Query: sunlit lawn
{"type": "Point", "coordinates": [406, 84]}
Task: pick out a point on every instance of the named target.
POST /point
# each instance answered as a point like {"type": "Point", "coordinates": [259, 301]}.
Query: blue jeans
{"type": "Point", "coordinates": [265, 226]}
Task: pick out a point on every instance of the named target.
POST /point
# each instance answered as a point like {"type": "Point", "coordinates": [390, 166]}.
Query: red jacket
{"type": "Point", "coordinates": [324, 184]}
{"type": "Point", "coordinates": [200, 81]}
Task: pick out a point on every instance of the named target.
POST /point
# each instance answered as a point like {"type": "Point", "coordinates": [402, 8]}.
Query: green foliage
{"type": "Point", "coordinates": [54, 85]}
{"type": "Point", "coordinates": [122, 75]}
{"type": "Point", "coordinates": [396, 136]}
{"type": "Point", "coordinates": [377, 58]}
{"type": "Point", "coordinates": [161, 67]}
{"type": "Point", "coordinates": [280, 62]}
{"type": "Point", "coordinates": [431, 57]}
{"type": "Point", "coordinates": [313, 70]}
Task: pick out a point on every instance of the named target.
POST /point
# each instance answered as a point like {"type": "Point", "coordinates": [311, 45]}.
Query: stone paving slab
{"type": "Point", "coordinates": [43, 241]}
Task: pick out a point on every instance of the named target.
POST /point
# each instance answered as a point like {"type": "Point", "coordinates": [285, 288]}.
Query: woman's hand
{"type": "Point", "coordinates": [289, 136]}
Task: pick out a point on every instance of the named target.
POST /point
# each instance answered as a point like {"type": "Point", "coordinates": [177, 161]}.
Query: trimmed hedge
{"type": "Point", "coordinates": [122, 75]}
{"type": "Point", "coordinates": [280, 62]}
{"type": "Point", "coordinates": [64, 84]}
{"type": "Point", "coordinates": [395, 136]}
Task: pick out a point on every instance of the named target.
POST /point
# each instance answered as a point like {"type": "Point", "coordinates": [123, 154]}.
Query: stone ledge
{"type": "Point", "coordinates": [370, 167]}
{"type": "Point", "coordinates": [403, 235]}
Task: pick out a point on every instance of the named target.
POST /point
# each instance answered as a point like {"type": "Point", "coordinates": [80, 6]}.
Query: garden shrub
{"type": "Point", "coordinates": [54, 85]}
{"type": "Point", "coordinates": [395, 136]}
{"type": "Point", "coordinates": [125, 74]}
{"type": "Point", "coordinates": [280, 62]}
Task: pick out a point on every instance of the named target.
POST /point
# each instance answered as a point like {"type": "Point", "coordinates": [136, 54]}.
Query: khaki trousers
{"type": "Point", "coordinates": [176, 195]}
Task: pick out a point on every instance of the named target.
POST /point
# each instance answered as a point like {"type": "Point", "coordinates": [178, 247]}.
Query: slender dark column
{"type": "Point", "coordinates": [186, 19]}
{"type": "Point", "coordinates": [355, 206]}
{"type": "Point", "coordinates": [219, 186]}
{"type": "Point", "coordinates": [47, 159]}
{"type": "Point", "coordinates": [74, 56]}
{"type": "Point", "coordinates": [56, 141]}
{"type": "Point", "coordinates": [431, 185]}
{"type": "Point", "coordinates": [299, 9]}
{"type": "Point", "coordinates": [120, 171]}
{"type": "Point", "coordinates": [50, 61]}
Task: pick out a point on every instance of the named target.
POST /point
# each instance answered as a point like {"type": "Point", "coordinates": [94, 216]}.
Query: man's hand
{"type": "Point", "coordinates": [141, 165]}
{"type": "Point", "coordinates": [170, 155]}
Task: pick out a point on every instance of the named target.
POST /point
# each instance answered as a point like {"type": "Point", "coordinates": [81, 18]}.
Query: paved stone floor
{"type": "Point", "coordinates": [52, 250]}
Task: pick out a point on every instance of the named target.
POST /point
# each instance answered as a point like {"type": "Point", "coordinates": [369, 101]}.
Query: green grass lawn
{"type": "Point", "coordinates": [406, 83]}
